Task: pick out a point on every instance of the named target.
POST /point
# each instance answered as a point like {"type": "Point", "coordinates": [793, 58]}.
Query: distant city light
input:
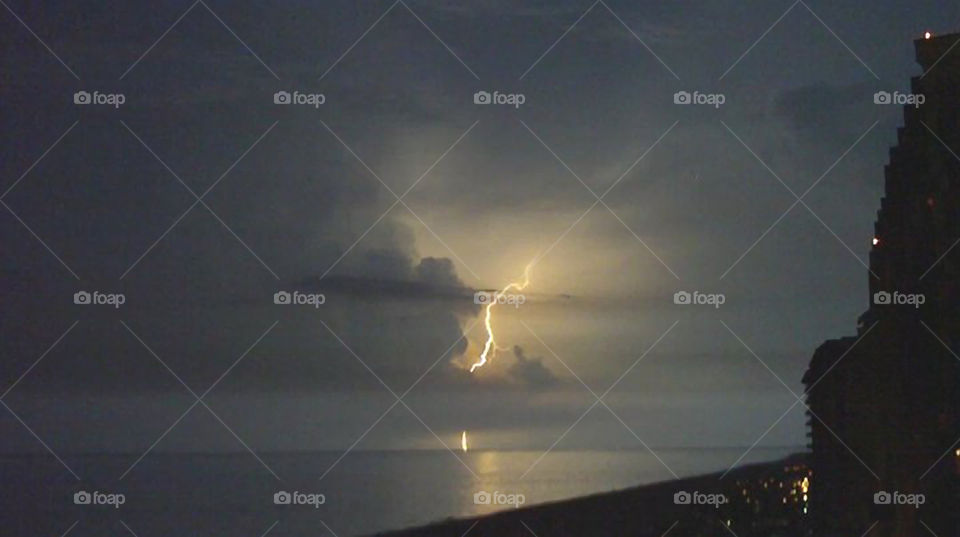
{"type": "Point", "coordinates": [927, 35]}
{"type": "Point", "coordinates": [876, 241]}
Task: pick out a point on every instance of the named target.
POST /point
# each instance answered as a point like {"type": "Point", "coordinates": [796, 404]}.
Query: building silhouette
{"type": "Point", "coordinates": [883, 404]}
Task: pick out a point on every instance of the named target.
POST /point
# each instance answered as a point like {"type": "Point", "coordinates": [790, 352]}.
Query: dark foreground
{"type": "Point", "coordinates": [765, 499]}
{"type": "Point", "coordinates": [768, 499]}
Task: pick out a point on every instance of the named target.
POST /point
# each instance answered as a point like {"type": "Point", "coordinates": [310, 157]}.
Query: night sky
{"type": "Point", "coordinates": [199, 198]}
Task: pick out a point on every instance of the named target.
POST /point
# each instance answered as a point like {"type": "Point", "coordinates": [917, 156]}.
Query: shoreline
{"type": "Point", "coordinates": [760, 498]}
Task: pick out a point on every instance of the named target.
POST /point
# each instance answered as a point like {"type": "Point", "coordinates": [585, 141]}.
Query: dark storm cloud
{"type": "Point", "coordinates": [396, 327]}
{"type": "Point", "coordinates": [823, 117]}
{"type": "Point", "coordinates": [438, 271]}
{"type": "Point", "coordinates": [530, 371]}
{"type": "Point", "coordinates": [298, 200]}
{"type": "Point", "coordinates": [812, 108]}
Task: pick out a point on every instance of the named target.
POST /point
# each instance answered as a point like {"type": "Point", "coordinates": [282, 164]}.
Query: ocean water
{"type": "Point", "coordinates": [365, 492]}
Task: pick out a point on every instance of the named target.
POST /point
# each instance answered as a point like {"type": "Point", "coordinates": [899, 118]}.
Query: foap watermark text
{"type": "Point", "coordinates": [498, 498]}
{"type": "Point", "coordinates": [296, 497]}
{"type": "Point", "coordinates": [885, 298]}
{"type": "Point", "coordinates": [512, 99]}
{"type": "Point", "coordinates": [112, 499]}
{"type": "Point", "coordinates": [489, 297]}
{"type": "Point", "coordinates": [899, 498]}
{"type": "Point", "coordinates": [296, 97]}
{"type": "Point", "coordinates": [110, 99]}
{"type": "Point", "coordinates": [699, 498]}
{"type": "Point", "coordinates": [685, 298]}
{"type": "Point", "coordinates": [712, 99]}
{"type": "Point", "coordinates": [885, 97]}
{"type": "Point", "coordinates": [297, 298]}
{"type": "Point", "coordinates": [97, 298]}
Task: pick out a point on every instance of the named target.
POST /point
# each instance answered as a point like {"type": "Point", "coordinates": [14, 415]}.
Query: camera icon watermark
{"type": "Point", "coordinates": [97, 298]}
{"type": "Point", "coordinates": [296, 298]}
{"type": "Point", "coordinates": [283, 497]}
{"type": "Point", "coordinates": [713, 99]}
{"type": "Point", "coordinates": [899, 498]}
{"type": "Point", "coordinates": [308, 99]}
{"type": "Point", "coordinates": [498, 498]}
{"type": "Point", "coordinates": [885, 298]}
{"type": "Point", "coordinates": [913, 99]}
{"type": "Point", "coordinates": [485, 298]}
{"type": "Point", "coordinates": [113, 99]}
{"type": "Point", "coordinates": [699, 498]}
{"type": "Point", "coordinates": [512, 99]}
{"type": "Point", "coordinates": [114, 500]}
{"type": "Point", "coordinates": [685, 298]}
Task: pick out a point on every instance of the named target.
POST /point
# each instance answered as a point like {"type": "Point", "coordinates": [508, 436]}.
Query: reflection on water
{"type": "Point", "coordinates": [568, 474]}
{"type": "Point", "coordinates": [366, 492]}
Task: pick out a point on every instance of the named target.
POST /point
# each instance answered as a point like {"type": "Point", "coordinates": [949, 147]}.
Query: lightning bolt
{"type": "Point", "coordinates": [490, 347]}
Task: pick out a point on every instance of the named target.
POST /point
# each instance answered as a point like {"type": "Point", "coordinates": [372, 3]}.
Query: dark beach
{"type": "Point", "coordinates": [763, 499]}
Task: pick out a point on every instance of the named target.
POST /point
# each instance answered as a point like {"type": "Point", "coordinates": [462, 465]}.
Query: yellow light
{"type": "Point", "coordinates": [491, 344]}
{"type": "Point", "coordinates": [463, 441]}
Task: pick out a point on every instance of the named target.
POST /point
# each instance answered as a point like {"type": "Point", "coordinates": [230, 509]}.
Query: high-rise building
{"type": "Point", "coordinates": [883, 405]}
